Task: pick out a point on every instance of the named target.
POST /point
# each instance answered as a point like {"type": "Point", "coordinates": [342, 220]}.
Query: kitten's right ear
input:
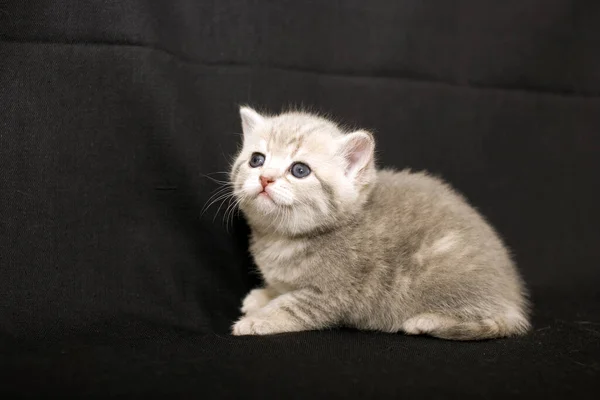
{"type": "Point", "coordinates": [250, 120]}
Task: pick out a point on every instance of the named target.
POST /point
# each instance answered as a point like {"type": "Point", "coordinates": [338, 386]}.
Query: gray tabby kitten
{"type": "Point", "coordinates": [340, 243]}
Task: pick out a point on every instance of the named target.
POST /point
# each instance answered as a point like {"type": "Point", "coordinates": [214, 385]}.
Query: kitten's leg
{"type": "Point", "coordinates": [257, 299]}
{"type": "Point", "coordinates": [446, 327]}
{"type": "Point", "coordinates": [299, 310]}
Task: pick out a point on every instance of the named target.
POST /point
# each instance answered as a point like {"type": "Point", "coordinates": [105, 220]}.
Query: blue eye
{"type": "Point", "coordinates": [257, 160]}
{"type": "Point", "coordinates": [300, 170]}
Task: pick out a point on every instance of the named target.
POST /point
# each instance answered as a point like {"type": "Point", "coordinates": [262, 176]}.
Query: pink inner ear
{"type": "Point", "coordinates": [357, 154]}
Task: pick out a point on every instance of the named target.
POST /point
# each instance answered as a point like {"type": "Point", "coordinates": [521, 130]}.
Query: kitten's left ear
{"type": "Point", "coordinates": [250, 120]}
{"type": "Point", "coordinates": [358, 148]}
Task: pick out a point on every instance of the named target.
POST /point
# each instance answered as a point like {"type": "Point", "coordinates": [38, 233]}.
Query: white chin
{"type": "Point", "coordinates": [265, 202]}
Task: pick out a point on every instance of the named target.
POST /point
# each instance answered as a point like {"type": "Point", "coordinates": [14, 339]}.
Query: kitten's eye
{"type": "Point", "coordinates": [257, 160]}
{"type": "Point", "coordinates": [300, 170]}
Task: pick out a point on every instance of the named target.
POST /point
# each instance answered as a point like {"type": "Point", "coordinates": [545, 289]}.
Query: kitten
{"type": "Point", "coordinates": [340, 243]}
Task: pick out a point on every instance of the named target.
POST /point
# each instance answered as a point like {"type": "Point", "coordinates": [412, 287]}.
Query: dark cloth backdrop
{"type": "Point", "coordinates": [112, 113]}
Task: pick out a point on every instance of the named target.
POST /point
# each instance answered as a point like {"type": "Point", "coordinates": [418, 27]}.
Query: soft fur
{"type": "Point", "coordinates": [352, 246]}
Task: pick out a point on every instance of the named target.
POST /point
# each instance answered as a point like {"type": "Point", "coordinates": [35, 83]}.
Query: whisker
{"type": "Point", "coordinates": [217, 180]}
{"type": "Point", "coordinates": [231, 211]}
{"type": "Point", "coordinates": [220, 192]}
{"type": "Point", "coordinates": [217, 172]}
{"type": "Point", "coordinates": [228, 196]}
{"type": "Point", "coordinates": [222, 187]}
{"type": "Point", "coordinates": [220, 198]}
{"type": "Point", "coordinates": [231, 201]}
{"type": "Point", "coordinates": [232, 205]}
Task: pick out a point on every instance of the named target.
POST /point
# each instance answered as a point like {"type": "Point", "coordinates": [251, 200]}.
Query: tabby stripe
{"type": "Point", "coordinates": [236, 170]}
{"type": "Point", "coordinates": [391, 274]}
{"type": "Point", "coordinates": [299, 142]}
{"type": "Point", "coordinates": [313, 303]}
{"type": "Point", "coordinates": [314, 289]}
{"type": "Point", "coordinates": [294, 315]}
{"type": "Point", "coordinates": [306, 309]}
{"type": "Point", "coordinates": [328, 189]}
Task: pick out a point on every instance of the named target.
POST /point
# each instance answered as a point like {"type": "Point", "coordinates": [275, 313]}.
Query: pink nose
{"type": "Point", "coordinates": [265, 181]}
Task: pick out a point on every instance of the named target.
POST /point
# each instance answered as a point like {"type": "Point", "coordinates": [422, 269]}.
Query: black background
{"type": "Point", "coordinates": [113, 112]}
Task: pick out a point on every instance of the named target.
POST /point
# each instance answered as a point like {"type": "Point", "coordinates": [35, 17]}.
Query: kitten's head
{"type": "Point", "coordinates": [298, 173]}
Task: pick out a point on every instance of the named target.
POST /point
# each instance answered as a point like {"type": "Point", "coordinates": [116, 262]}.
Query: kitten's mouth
{"type": "Point", "coordinates": [265, 195]}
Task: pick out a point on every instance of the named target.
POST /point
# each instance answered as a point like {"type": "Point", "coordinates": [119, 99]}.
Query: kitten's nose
{"type": "Point", "coordinates": [264, 181]}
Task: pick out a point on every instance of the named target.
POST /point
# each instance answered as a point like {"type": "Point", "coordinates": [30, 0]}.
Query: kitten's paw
{"type": "Point", "coordinates": [424, 323]}
{"type": "Point", "coordinates": [254, 326]}
{"type": "Point", "coordinates": [255, 300]}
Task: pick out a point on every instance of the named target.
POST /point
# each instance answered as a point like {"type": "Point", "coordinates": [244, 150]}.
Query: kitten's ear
{"type": "Point", "coordinates": [358, 148]}
{"type": "Point", "coordinates": [250, 120]}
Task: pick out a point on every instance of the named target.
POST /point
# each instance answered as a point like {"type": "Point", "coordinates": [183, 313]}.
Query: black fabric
{"type": "Point", "coordinates": [112, 113]}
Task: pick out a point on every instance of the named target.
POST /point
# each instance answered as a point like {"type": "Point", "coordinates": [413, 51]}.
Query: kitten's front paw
{"type": "Point", "coordinates": [254, 326]}
{"type": "Point", "coordinates": [255, 300]}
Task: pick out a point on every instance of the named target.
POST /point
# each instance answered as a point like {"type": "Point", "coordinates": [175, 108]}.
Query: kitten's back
{"type": "Point", "coordinates": [457, 264]}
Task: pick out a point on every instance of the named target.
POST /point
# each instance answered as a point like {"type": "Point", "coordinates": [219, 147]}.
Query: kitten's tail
{"type": "Point", "coordinates": [451, 329]}
{"type": "Point", "coordinates": [479, 330]}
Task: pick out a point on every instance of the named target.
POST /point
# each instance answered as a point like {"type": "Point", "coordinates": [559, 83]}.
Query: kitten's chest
{"type": "Point", "coordinates": [282, 260]}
